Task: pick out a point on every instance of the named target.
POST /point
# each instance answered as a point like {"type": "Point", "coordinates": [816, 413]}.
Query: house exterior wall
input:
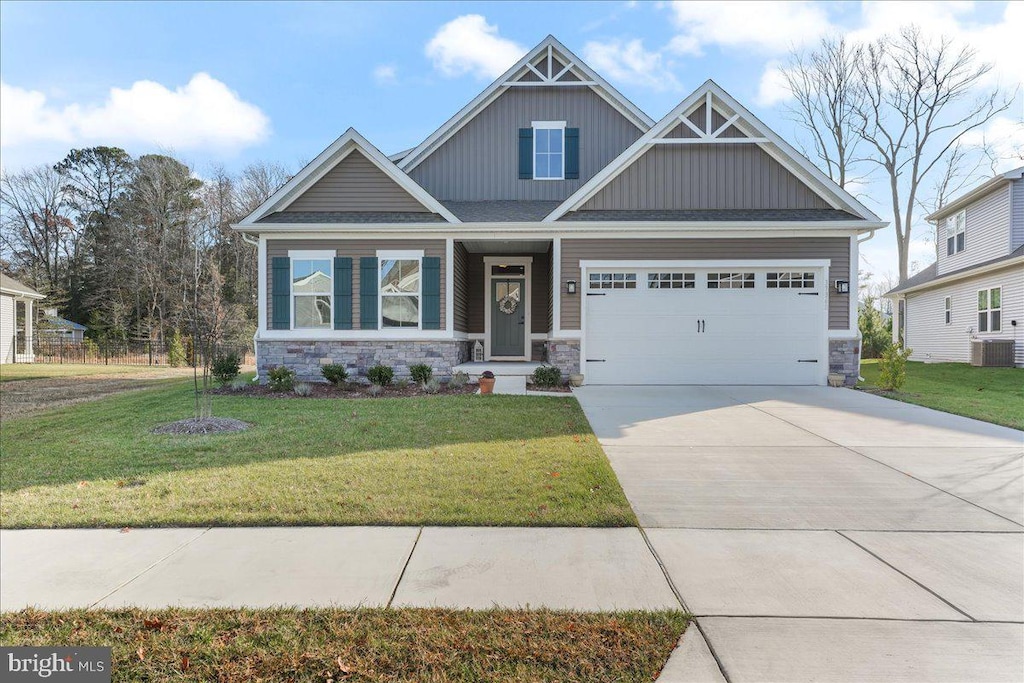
{"type": "Point", "coordinates": [836, 249]}
{"type": "Point", "coordinates": [460, 273]}
{"type": "Point", "coordinates": [932, 340]}
{"type": "Point", "coordinates": [7, 329]}
{"type": "Point", "coordinates": [306, 358]}
{"type": "Point", "coordinates": [356, 248]}
{"type": "Point", "coordinates": [355, 184]}
{"type": "Point", "coordinates": [1017, 213]}
{"type": "Point", "coordinates": [480, 162]}
{"type": "Point", "coordinates": [737, 176]}
{"type": "Point", "coordinates": [987, 232]}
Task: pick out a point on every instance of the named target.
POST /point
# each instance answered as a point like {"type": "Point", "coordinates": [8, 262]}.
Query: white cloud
{"type": "Point", "coordinates": [767, 27]}
{"type": "Point", "coordinates": [773, 88]}
{"type": "Point", "coordinates": [629, 62]}
{"type": "Point", "coordinates": [468, 44]}
{"type": "Point", "coordinates": [1005, 137]}
{"type": "Point", "coordinates": [385, 74]}
{"type": "Point", "coordinates": [203, 113]}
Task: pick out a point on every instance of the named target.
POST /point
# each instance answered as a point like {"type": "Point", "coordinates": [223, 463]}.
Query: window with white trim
{"type": "Point", "coordinates": [671, 281]}
{"type": "Point", "coordinates": [612, 281]}
{"type": "Point", "coordinates": [956, 233]}
{"type": "Point", "coordinates": [948, 307]}
{"type": "Point", "coordinates": [990, 309]}
{"type": "Point", "coordinates": [312, 292]}
{"type": "Point", "coordinates": [400, 284]}
{"type": "Point", "coordinates": [730, 280]}
{"type": "Point", "coordinates": [790, 281]}
{"type": "Point", "coordinates": [548, 150]}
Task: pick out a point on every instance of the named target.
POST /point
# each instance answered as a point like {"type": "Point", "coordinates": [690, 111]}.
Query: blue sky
{"type": "Point", "coordinates": [231, 83]}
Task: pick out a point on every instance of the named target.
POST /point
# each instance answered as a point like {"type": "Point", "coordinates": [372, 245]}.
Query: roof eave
{"type": "Point", "coordinates": [954, 277]}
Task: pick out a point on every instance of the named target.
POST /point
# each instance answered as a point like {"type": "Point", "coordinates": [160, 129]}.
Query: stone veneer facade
{"type": "Point", "coordinates": [307, 357]}
{"type": "Point", "coordinates": [844, 358]}
{"type": "Point", "coordinates": [564, 354]}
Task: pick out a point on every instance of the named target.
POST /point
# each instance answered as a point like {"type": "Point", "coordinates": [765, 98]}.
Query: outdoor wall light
{"type": "Point", "coordinates": [842, 286]}
{"type": "Point", "coordinates": [570, 287]}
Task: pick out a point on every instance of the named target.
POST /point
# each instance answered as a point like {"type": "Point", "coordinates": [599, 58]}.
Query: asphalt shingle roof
{"type": "Point", "coordinates": [515, 210]}
{"type": "Point", "coordinates": [929, 274]}
{"type": "Point", "coordinates": [352, 217]}
{"type": "Point", "coordinates": [809, 215]}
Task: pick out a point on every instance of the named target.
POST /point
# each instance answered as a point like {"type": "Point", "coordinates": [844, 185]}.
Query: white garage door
{"type": "Point", "coordinates": [722, 325]}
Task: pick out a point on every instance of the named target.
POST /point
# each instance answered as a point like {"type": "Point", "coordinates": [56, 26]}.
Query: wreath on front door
{"type": "Point", "coordinates": [508, 305]}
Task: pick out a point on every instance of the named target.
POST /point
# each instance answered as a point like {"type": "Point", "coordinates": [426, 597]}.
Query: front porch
{"type": "Point", "coordinates": [499, 368]}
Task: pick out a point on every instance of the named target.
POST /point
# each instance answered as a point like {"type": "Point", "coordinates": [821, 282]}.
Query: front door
{"type": "Point", "coordinates": [508, 318]}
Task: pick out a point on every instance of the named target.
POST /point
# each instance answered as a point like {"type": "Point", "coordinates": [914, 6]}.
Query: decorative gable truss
{"type": "Point", "coordinates": [708, 120]}
{"type": "Point", "coordinates": [349, 177]}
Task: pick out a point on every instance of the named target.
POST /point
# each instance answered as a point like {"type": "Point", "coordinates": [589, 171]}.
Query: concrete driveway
{"type": "Point", "coordinates": [825, 534]}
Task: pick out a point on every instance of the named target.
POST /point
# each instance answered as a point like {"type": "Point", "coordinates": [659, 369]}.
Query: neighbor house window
{"type": "Point", "coordinates": [949, 309]}
{"type": "Point", "coordinates": [312, 291]}
{"type": "Point", "coordinates": [671, 281]}
{"type": "Point", "coordinates": [956, 231]}
{"type": "Point", "coordinates": [613, 280]}
{"type": "Point", "coordinates": [730, 280]}
{"type": "Point", "coordinates": [548, 150]}
{"type": "Point", "coordinates": [790, 281]}
{"type": "Point", "coordinates": [399, 292]}
{"type": "Point", "coordinates": [990, 308]}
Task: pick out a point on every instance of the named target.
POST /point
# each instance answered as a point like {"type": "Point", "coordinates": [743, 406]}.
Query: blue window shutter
{"type": "Point", "coordinates": [526, 153]}
{"type": "Point", "coordinates": [368, 292]}
{"type": "Point", "coordinates": [572, 153]}
{"type": "Point", "coordinates": [431, 293]}
{"type": "Point", "coordinates": [342, 293]}
{"type": "Point", "coordinates": [281, 293]}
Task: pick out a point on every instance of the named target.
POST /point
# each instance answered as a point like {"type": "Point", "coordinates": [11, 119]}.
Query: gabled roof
{"type": "Point", "coordinates": [11, 287]}
{"type": "Point", "coordinates": [929, 277]}
{"type": "Point", "coordinates": [740, 126]}
{"type": "Point", "coordinates": [982, 189]}
{"type": "Point", "coordinates": [64, 323]}
{"type": "Point", "coordinates": [350, 141]}
{"type": "Point", "coordinates": [525, 73]}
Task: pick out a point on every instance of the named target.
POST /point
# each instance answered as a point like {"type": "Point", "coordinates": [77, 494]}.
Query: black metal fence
{"type": "Point", "coordinates": [131, 352]}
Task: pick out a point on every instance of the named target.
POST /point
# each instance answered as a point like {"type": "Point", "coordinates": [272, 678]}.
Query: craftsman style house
{"type": "Point", "coordinates": [969, 304]}
{"type": "Point", "coordinates": [552, 220]}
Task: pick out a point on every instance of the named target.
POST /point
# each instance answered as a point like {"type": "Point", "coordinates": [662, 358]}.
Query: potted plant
{"type": "Point", "coordinates": [576, 379]}
{"type": "Point", "coordinates": [487, 382]}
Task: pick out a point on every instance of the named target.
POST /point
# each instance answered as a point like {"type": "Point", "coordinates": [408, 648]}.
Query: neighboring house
{"type": "Point", "coordinates": [554, 221]}
{"type": "Point", "coordinates": [53, 328]}
{"type": "Point", "coordinates": [16, 303]}
{"type": "Point", "coordinates": [975, 289]}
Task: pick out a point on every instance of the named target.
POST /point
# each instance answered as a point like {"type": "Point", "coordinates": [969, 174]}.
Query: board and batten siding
{"type": "Point", "coordinates": [932, 340]}
{"type": "Point", "coordinates": [540, 288]}
{"type": "Point", "coordinates": [355, 184]}
{"type": "Point", "coordinates": [987, 232]}
{"type": "Point", "coordinates": [460, 274]}
{"type": "Point", "coordinates": [480, 162]}
{"type": "Point", "coordinates": [705, 177]}
{"type": "Point", "coordinates": [835, 249]}
{"type": "Point", "coordinates": [356, 249]}
{"type": "Point", "coordinates": [1017, 213]}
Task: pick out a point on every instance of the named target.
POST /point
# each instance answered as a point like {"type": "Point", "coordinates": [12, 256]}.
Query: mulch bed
{"type": "Point", "coordinates": [349, 390]}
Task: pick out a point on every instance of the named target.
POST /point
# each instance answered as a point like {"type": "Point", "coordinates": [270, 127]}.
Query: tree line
{"type": "Point", "coordinates": [137, 248]}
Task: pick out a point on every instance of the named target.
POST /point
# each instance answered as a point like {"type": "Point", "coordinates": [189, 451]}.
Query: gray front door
{"type": "Point", "coordinates": [508, 317]}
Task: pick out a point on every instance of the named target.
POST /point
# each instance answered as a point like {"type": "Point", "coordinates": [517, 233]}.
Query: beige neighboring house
{"type": "Point", "coordinates": [974, 292]}
{"type": "Point", "coordinates": [16, 316]}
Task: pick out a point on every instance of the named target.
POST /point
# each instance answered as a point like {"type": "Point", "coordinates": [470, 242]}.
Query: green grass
{"type": "Point", "coordinates": [440, 460]}
{"type": "Point", "coordinates": [361, 645]}
{"type": "Point", "coordinates": [991, 394]}
{"type": "Point", "coordinates": [10, 372]}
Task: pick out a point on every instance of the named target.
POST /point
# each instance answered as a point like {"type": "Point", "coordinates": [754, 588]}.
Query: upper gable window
{"type": "Point", "coordinates": [549, 150]}
{"type": "Point", "coordinates": [956, 232]}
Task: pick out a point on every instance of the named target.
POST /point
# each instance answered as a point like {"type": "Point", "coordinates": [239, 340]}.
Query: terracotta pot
{"type": "Point", "coordinates": [486, 385]}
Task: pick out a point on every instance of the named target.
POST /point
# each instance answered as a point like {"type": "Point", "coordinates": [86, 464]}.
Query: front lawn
{"type": "Point", "coordinates": [10, 372]}
{"type": "Point", "coordinates": [437, 460]}
{"type": "Point", "coordinates": [361, 645]}
{"type": "Point", "coordinates": [990, 394]}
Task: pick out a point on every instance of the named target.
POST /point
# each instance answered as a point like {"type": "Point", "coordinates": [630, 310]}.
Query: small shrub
{"type": "Point", "coordinates": [225, 367]}
{"type": "Point", "coordinates": [486, 374]}
{"type": "Point", "coordinates": [401, 383]}
{"type": "Point", "coordinates": [281, 378]}
{"type": "Point", "coordinates": [432, 385]}
{"type": "Point", "coordinates": [547, 376]}
{"type": "Point", "coordinates": [421, 372]}
{"type": "Point", "coordinates": [176, 355]}
{"type": "Point", "coordinates": [239, 384]}
{"type": "Point", "coordinates": [375, 390]}
{"type": "Point", "coordinates": [458, 380]}
{"type": "Point", "coordinates": [334, 373]}
{"type": "Point", "coordinates": [381, 375]}
{"type": "Point", "coordinates": [892, 367]}
{"type": "Point", "coordinates": [303, 389]}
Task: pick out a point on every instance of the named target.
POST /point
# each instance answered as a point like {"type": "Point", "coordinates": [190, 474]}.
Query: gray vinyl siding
{"type": "Point", "coordinates": [987, 232]}
{"type": "Point", "coordinates": [480, 162]}
{"type": "Point", "coordinates": [931, 340]}
{"type": "Point", "coordinates": [460, 275]}
{"type": "Point", "coordinates": [736, 176]}
{"type": "Point", "coordinates": [1017, 213]}
{"type": "Point", "coordinates": [357, 249]}
{"type": "Point", "coordinates": [355, 184]}
{"type": "Point", "coordinates": [540, 296]}
{"type": "Point", "coordinates": [835, 249]}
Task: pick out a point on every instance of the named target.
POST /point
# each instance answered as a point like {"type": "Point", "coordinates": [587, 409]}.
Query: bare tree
{"type": "Point", "coordinates": [921, 96]}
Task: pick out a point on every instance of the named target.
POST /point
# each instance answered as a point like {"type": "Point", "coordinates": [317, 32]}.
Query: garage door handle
{"type": "Point", "coordinates": [807, 293]}
{"type": "Point", "coordinates": [808, 360]}
{"type": "Point", "coordinates": [595, 293]}
{"type": "Point", "coordinates": [596, 360]}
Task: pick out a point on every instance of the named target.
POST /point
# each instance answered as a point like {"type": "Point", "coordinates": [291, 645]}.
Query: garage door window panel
{"type": "Point", "coordinates": [671, 280]}
{"type": "Point", "coordinates": [612, 281]}
{"type": "Point", "coordinates": [790, 281]}
{"type": "Point", "coordinates": [730, 281]}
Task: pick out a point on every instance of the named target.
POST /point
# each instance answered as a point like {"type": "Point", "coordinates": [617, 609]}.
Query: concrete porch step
{"type": "Point", "coordinates": [514, 385]}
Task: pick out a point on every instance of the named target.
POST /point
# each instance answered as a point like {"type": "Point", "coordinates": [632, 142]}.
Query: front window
{"type": "Point", "coordinates": [312, 293]}
{"type": "Point", "coordinates": [548, 150]}
{"type": "Point", "coordinates": [399, 292]}
{"type": "Point", "coordinates": [956, 233]}
{"type": "Point", "coordinates": [990, 309]}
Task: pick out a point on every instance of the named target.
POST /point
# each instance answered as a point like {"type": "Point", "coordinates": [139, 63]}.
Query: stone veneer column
{"type": "Point", "coordinates": [844, 358]}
